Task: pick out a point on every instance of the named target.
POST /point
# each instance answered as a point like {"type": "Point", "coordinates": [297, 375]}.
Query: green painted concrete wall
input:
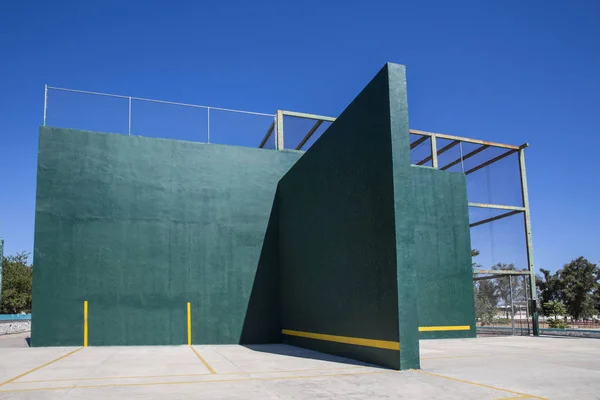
{"type": "Point", "coordinates": [443, 253]}
{"type": "Point", "coordinates": [348, 239]}
{"type": "Point", "coordinates": [140, 226]}
{"type": "Point", "coordinates": [338, 243]}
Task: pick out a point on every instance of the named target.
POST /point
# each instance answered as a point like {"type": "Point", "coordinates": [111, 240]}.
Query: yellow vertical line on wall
{"type": "Point", "coordinates": [85, 323]}
{"type": "Point", "coordinates": [189, 323]}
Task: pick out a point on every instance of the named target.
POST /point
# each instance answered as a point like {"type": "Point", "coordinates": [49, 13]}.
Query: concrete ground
{"type": "Point", "coordinates": [483, 368]}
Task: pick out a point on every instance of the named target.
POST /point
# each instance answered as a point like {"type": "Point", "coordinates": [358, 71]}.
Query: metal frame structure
{"type": "Point", "coordinates": [277, 129]}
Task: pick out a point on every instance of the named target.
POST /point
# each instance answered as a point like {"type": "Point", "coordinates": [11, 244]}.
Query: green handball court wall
{"type": "Point", "coordinates": [139, 226]}
{"type": "Point", "coordinates": [346, 249]}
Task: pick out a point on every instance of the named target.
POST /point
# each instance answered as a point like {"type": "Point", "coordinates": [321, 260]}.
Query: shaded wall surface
{"type": "Point", "coordinates": [139, 227]}
{"type": "Point", "coordinates": [342, 276]}
{"type": "Point", "coordinates": [337, 242]}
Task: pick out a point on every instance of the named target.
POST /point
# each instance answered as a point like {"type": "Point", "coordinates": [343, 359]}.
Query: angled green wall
{"type": "Point", "coordinates": [339, 267]}
{"type": "Point", "coordinates": [139, 226]}
{"type": "Point", "coordinates": [443, 255]}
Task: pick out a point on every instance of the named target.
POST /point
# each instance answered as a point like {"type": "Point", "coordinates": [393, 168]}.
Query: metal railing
{"type": "Point", "coordinates": [131, 99]}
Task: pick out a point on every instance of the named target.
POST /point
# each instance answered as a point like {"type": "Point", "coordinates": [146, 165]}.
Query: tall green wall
{"type": "Point", "coordinates": [443, 254]}
{"type": "Point", "coordinates": [139, 226]}
{"type": "Point", "coordinates": [339, 266]}
{"type": "Point", "coordinates": [347, 240]}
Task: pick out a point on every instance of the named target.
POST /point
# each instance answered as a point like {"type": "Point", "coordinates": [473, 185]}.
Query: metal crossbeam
{"type": "Point", "coordinates": [309, 134]}
{"type": "Point", "coordinates": [485, 221]}
{"type": "Point", "coordinates": [467, 140]}
{"type": "Point", "coordinates": [496, 206]}
{"type": "Point", "coordinates": [269, 131]}
{"type": "Point", "coordinates": [466, 156]}
{"type": "Point", "coordinates": [418, 141]}
{"type": "Point", "coordinates": [493, 160]}
{"type": "Point", "coordinates": [307, 116]}
{"type": "Point", "coordinates": [441, 151]}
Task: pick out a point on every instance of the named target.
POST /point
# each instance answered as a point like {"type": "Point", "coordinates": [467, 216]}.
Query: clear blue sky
{"type": "Point", "coordinates": [507, 71]}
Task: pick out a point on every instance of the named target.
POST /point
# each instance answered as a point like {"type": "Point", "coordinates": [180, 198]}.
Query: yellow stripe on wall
{"type": "Point", "coordinates": [380, 344]}
{"type": "Point", "coordinates": [444, 328]}
{"type": "Point", "coordinates": [85, 323]}
{"type": "Point", "coordinates": [189, 323]}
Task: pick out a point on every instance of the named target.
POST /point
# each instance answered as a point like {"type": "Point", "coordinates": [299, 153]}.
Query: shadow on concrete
{"type": "Point", "coordinates": [262, 322]}
{"type": "Point", "coordinates": [293, 351]}
{"type": "Point", "coordinates": [15, 340]}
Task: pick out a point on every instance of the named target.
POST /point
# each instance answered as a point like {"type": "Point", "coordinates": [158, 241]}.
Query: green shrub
{"type": "Point", "coordinates": [557, 323]}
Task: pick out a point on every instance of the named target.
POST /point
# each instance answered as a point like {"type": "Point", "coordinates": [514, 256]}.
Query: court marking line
{"type": "Point", "coordinates": [479, 384]}
{"type": "Point", "coordinates": [40, 367]}
{"type": "Point", "coordinates": [444, 328]}
{"type": "Point", "coordinates": [212, 371]}
{"type": "Point", "coordinates": [380, 344]}
{"type": "Point", "coordinates": [184, 375]}
{"type": "Point", "coordinates": [193, 382]}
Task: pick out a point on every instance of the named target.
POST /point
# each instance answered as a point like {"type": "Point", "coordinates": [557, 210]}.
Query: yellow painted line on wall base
{"type": "Point", "coordinates": [479, 384]}
{"type": "Point", "coordinates": [40, 367]}
{"type": "Point", "coordinates": [212, 371]}
{"type": "Point", "coordinates": [444, 328]}
{"type": "Point", "coordinates": [85, 323]}
{"type": "Point", "coordinates": [277, 378]}
{"type": "Point", "coordinates": [380, 344]}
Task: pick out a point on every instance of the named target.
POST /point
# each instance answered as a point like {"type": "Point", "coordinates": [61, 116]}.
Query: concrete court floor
{"type": "Point", "coordinates": [483, 368]}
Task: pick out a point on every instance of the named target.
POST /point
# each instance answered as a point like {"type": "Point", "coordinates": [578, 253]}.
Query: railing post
{"type": "Point", "coordinates": [434, 156]}
{"type": "Point", "coordinates": [208, 123]}
{"type": "Point", "coordinates": [45, 102]}
{"type": "Point", "coordinates": [129, 127]}
{"type": "Point", "coordinates": [279, 130]}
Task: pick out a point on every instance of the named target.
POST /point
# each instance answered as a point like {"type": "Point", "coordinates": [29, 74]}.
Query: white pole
{"type": "Point", "coordinates": [129, 128]}
{"type": "Point", "coordinates": [45, 102]}
{"type": "Point", "coordinates": [208, 122]}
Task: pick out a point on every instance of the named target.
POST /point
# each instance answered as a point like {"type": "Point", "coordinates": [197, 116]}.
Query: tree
{"type": "Point", "coordinates": [549, 286]}
{"type": "Point", "coordinates": [556, 308]}
{"type": "Point", "coordinates": [16, 284]}
{"type": "Point", "coordinates": [503, 284]}
{"type": "Point", "coordinates": [486, 301]}
{"type": "Point", "coordinates": [579, 281]}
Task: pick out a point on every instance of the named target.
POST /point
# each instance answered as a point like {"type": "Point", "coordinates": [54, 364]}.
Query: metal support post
{"type": "Point", "coordinates": [45, 102]}
{"type": "Point", "coordinates": [528, 243]}
{"type": "Point", "coordinates": [434, 154]}
{"type": "Point", "coordinates": [208, 123]}
{"type": "Point", "coordinates": [129, 126]}
{"type": "Point", "coordinates": [512, 305]}
{"type": "Point", "coordinates": [279, 132]}
{"type": "Point", "coordinates": [526, 304]}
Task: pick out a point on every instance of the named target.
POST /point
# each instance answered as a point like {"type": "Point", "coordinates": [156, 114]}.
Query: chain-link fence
{"type": "Point", "coordinates": [502, 305]}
